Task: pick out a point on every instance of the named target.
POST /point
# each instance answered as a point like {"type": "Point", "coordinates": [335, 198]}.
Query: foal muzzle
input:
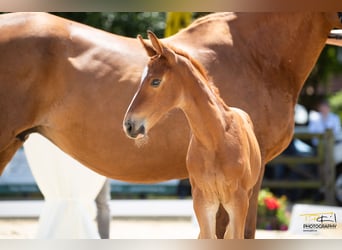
{"type": "Point", "coordinates": [133, 130]}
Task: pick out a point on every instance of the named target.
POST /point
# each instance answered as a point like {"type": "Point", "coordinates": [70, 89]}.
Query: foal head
{"type": "Point", "coordinates": [160, 89]}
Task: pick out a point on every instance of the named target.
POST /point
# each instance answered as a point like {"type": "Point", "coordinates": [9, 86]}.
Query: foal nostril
{"type": "Point", "coordinates": [129, 126]}
{"type": "Point", "coordinates": [133, 130]}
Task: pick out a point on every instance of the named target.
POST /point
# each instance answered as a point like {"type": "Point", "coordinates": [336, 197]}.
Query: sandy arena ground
{"type": "Point", "coordinates": [120, 228]}
{"type": "Point", "coordinates": [145, 228]}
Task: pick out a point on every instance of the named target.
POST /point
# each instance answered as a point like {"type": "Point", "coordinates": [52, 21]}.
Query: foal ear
{"type": "Point", "coordinates": [155, 42]}
{"type": "Point", "coordinates": [148, 47]}
{"type": "Point", "coordinates": [160, 48]}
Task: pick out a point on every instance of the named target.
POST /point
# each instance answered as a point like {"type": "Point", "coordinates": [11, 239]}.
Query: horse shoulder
{"type": "Point", "coordinates": [253, 157]}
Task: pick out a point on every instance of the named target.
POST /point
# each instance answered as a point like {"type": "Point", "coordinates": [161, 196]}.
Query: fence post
{"type": "Point", "coordinates": [329, 168]}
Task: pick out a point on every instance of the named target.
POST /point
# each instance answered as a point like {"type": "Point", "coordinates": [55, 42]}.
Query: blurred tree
{"type": "Point", "coordinates": [122, 23]}
{"type": "Point", "coordinates": [318, 84]}
{"type": "Point", "coordinates": [336, 103]}
{"type": "Point", "coordinates": [176, 21]}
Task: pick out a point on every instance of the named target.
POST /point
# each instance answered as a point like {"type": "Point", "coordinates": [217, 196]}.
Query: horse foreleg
{"type": "Point", "coordinates": [250, 225]}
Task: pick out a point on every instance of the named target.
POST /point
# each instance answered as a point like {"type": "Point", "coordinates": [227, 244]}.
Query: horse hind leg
{"type": "Point", "coordinates": [251, 219]}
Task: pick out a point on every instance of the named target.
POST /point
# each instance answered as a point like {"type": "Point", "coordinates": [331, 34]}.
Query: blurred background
{"type": "Point", "coordinates": [283, 189]}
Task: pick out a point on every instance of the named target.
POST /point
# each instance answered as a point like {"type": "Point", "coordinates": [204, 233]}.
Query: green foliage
{"type": "Point", "coordinates": [336, 103]}
{"type": "Point", "coordinates": [122, 23]}
{"type": "Point", "coordinates": [318, 83]}
{"type": "Point", "coordinates": [326, 66]}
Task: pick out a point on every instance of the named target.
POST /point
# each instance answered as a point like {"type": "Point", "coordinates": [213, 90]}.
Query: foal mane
{"type": "Point", "coordinates": [200, 68]}
{"type": "Point", "coordinates": [193, 61]}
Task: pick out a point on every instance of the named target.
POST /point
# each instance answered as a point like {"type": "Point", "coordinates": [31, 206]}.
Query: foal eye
{"type": "Point", "coordinates": [155, 82]}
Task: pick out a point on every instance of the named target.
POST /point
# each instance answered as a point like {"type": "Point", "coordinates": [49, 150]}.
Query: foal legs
{"type": "Point", "coordinates": [237, 210]}
{"type": "Point", "coordinates": [205, 210]}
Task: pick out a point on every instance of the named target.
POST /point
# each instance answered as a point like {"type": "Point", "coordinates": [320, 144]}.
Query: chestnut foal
{"type": "Point", "coordinates": [223, 158]}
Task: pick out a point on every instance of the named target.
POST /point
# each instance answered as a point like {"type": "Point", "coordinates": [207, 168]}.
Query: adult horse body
{"type": "Point", "coordinates": [72, 84]}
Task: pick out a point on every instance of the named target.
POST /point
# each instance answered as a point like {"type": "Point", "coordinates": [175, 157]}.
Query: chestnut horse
{"type": "Point", "coordinates": [223, 158]}
{"type": "Point", "coordinates": [72, 84]}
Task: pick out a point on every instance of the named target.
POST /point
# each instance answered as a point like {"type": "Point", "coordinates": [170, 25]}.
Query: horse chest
{"type": "Point", "coordinates": [213, 166]}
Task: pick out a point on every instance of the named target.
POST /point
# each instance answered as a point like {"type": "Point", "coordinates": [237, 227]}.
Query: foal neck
{"type": "Point", "coordinates": [205, 110]}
